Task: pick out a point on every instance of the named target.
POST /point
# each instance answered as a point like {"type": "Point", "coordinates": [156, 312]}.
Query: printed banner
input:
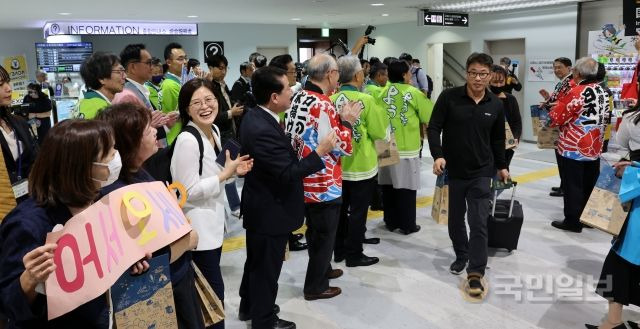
{"type": "Point", "coordinates": [119, 28]}
{"type": "Point", "coordinates": [611, 41]}
{"type": "Point", "coordinates": [90, 256]}
{"type": "Point", "coordinates": [18, 71]}
{"type": "Point", "coordinates": [541, 70]}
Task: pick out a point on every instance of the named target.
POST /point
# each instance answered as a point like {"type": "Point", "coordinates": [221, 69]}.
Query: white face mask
{"type": "Point", "coordinates": [114, 167]}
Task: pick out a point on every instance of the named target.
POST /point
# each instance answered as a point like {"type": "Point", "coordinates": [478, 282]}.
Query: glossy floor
{"type": "Point", "coordinates": [546, 283]}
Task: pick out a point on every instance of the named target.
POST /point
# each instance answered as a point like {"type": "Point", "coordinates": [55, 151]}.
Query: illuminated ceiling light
{"type": "Point", "coordinates": [192, 16]}
{"type": "Point", "coordinates": [296, 19]}
{"type": "Point", "coordinates": [64, 14]}
{"type": "Point", "coordinates": [377, 4]}
{"type": "Point", "coordinates": [498, 5]}
{"type": "Point", "coordinates": [385, 15]}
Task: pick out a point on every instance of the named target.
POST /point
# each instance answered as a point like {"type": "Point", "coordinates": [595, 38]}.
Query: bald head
{"type": "Point", "coordinates": [319, 65]}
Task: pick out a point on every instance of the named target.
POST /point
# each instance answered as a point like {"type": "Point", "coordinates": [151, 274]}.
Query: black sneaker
{"type": "Point", "coordinates": [458, 266]}
{"type": "Point", "coordinates": [475, 286]}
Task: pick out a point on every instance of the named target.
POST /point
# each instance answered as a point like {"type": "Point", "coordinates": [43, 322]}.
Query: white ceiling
{"type": "Point", "coordinates": [312, 13]}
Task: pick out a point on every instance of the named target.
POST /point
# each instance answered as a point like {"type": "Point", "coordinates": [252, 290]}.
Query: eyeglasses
{"type": "Point", "coordinates": [120, 71]}
{"type": "Point", "coordinates": [197, 104]}
{"type": "Point", "coordinates": [481, 75]}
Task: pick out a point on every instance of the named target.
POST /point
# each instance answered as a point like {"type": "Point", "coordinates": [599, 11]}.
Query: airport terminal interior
{"type": "Point", "coordinates": [297, 134]}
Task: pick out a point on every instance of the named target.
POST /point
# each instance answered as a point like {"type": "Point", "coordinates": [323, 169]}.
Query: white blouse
{"type": "Point", "coordinates": [205, 194]}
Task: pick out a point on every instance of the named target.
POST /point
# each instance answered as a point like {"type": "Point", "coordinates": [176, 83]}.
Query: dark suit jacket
{"type": "Point", "coordinates": [239, 91]}
{"type": "Point", "coordinates": [224, 123]}
{"type": "Point", "coordinates": [273, 195]}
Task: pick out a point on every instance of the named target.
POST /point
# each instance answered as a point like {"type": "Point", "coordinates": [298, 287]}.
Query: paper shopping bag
{"type": "Point", "coordinates": [212, 308]}
{"type": "Point", "coordinates": [604, 210]}
{"type": "Point", "coordinates": [440, 209]}
{"type": "Point", "coordinates": [387, 152]}
{"type": "Point", "coordinates": [145, 300]}
{"type": "Point", "coordinates": [509, 140]}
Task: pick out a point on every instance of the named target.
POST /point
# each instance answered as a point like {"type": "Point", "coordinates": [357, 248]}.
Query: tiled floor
{"type": "Point", "coordinates": [543, 284]}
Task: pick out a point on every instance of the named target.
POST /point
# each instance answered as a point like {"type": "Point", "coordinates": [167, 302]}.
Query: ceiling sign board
{"type": "Point", "coordinates": [439, 18]}
{"type": "Point", "coordinates": [631, 17]}
{"type": "Point", "coordinates": [118, 28]}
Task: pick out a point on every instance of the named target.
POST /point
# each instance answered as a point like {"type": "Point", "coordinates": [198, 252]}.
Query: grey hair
{"type": "Point", "coordinates": [319, 65]}
{"type": "Point", "coordinates": [348, 66]}
{"type": "Point", "coordinates": [586, 67]}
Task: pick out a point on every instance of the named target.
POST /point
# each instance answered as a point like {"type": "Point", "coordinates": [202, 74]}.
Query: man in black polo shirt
{"type": "Point", "coordinates": [471, 120]}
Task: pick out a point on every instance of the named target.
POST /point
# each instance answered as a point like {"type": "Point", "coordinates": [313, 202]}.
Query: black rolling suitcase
{"type": "Point", "coordinates": [505, 222]}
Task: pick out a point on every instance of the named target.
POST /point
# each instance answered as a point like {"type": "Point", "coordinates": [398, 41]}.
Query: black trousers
{"type": "Point", "coordinates": [579, 179]}
{"type": "Point", "coordinates": [559, 162]}
{"type": "Point", "coordinates": [508, 156]}
{"type": "Point", "coordinates": [473, 197]}
{"type": "Point", "coordinates": [188, 311]}
{"type": "Point", "coordinates": [322, 223]}
{"type": "Point", "coordinates": [399, 207]}
{"type": "Point", "coordinates": [356, 196]}
{"type": "Point", "coordinates": [259, 287]}
{"type": "Point", "coordinates": [208, 261]}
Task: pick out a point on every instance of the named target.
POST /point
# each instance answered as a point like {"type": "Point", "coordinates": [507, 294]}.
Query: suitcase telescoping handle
{"type": "Point", "coordinates": [513, 196]}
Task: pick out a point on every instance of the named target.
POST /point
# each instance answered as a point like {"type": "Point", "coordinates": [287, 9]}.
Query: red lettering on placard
{"type": "Point", "coordinates": [68, 241]}
{"type": "Point", "coordinates": [93, 253]}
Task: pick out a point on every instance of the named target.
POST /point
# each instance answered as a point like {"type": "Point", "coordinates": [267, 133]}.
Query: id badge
{"type": "Point", "coordinates": [20, 188]}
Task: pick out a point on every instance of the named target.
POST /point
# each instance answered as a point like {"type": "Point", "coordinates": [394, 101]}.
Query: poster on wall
{"type": "Point", "coordinates": [540, 70]}
{"type": "Point", "coordinates": [212, 48]}
{"type": "Point", "coordinates": [18, 71]}
{"type": "Point", "coordinates": [610, 41]}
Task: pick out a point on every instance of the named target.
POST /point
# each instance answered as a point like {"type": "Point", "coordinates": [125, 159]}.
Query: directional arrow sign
{"type": "Point", "coordinates": [438, 18]}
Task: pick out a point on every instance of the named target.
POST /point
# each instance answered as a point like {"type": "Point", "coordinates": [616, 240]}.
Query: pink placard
{"type": "Point", "coordinates": [101, 243]}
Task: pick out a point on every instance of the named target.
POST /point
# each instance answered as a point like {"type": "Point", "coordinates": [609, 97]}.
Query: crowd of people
{"type": "Point", "coordinates": [308, 155]}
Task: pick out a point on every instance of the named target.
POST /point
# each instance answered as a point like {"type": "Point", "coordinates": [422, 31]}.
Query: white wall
{"type": "Point", "coordinates": [594, 15]}
{"type": "Point", "coordinates": [547, 32]}
{"type": "Point", "coordinates": [240, 40]}
{"type": "Point", "coordinates": [17, 42]}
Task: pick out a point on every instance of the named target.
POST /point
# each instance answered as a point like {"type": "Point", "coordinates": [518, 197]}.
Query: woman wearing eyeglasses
{"type": "Point", "coordinates": [203, 178]}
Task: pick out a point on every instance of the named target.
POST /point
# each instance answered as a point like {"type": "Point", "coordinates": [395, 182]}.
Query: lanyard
{"type": "Point", "coordinates": [15, 133]}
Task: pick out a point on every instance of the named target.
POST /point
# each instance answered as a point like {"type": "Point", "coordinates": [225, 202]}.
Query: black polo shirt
{"type": "Point", "coordinates": [472, 134]}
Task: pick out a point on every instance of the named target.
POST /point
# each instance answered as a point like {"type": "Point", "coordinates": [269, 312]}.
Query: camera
{"type": "Point", "coordinates": [370, 29]}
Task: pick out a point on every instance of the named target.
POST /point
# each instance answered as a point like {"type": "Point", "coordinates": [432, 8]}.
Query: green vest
{"type": "Point", "coordinates": [407, 107]}
{"type": "Point", "coordinates": [155, 95]}
{"type": "Point", "coordinates": [91, 104]}
{"type": "Point", "coordinates": [373, 124]}
{"type": "Point", "coordinates": [170, 90]}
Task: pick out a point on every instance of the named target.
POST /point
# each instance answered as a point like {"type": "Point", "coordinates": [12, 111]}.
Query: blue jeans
{"type": "Point", "coordinates": [232, 196]}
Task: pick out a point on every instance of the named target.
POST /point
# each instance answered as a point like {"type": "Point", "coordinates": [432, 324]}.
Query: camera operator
{"type": "Point", "coordinates": [512, 82]}
{"type": "Point", "coordinates": [39, 109]}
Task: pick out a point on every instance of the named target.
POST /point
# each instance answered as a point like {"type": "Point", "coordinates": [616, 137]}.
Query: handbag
{"type": "Point", "coordinates": [212, 308]}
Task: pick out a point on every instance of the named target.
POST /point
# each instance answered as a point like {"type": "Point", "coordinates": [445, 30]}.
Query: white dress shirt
{"type": "Point", "coordinates": [205, 194]}
{"type": "Point", "coordinates": [271, 113]}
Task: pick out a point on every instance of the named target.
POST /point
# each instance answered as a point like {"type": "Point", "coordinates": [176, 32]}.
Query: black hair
{"type": "Point", "coordinates": [4, 75]}
{"type": "Point", "coordinates": [397, 70]}
{"type": "Point", "coordinates": [38, 89]}
{"type": "Point", "coordinates": [364, 61]}
{"type": "Point", "coordinates": [244, 66]}
{"type": "Point", "coordinates": [375, 69]}
{"type": "Point", "coordinates": [156, 61]}
{"type": "Point", "coordinates": [191, 63]}
{"type": "Point", "coordinates": [216, 60]}
{"type": "Point", "coordinates": [96, 67]}
{"type": "Point", "coordinates": [281, 61]}
{"type": "Point", "coordinates": [264, 82]}
{"type": "Point", "coordinates": [500, 70]}
{"type": "Point", "coordinates": [564, 61]}
{"type": "Point", "coordinates": [405, 57]}
{"type": "Point", "coordinates": [260, 61]}
{"type": "Point", "coordinates": [415, 60]}
{"type": "Point", "coordinates": [186, 93]}
{"type": "Point", "coordinates": [169, 48]}
{"type": "Point", "coordinates": [131, 54]}
{"type": "Point", "coordinates": [387, 60]}
{"type": "Point", "coordinates": [602, 72]}
{"type": "Point", "coordinates": [374, 60]}
{"type": "Point", "coordinates": [480, 58]}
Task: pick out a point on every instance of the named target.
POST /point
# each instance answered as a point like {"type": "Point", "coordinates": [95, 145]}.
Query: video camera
{"type": "Point", "coordinates": [370, 29]}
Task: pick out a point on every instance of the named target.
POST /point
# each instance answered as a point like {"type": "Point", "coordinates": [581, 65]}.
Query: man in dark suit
{"type": "Point", "coordinates": [272, 196]}
{"type": "Point", "coordinates": [243, 84]}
